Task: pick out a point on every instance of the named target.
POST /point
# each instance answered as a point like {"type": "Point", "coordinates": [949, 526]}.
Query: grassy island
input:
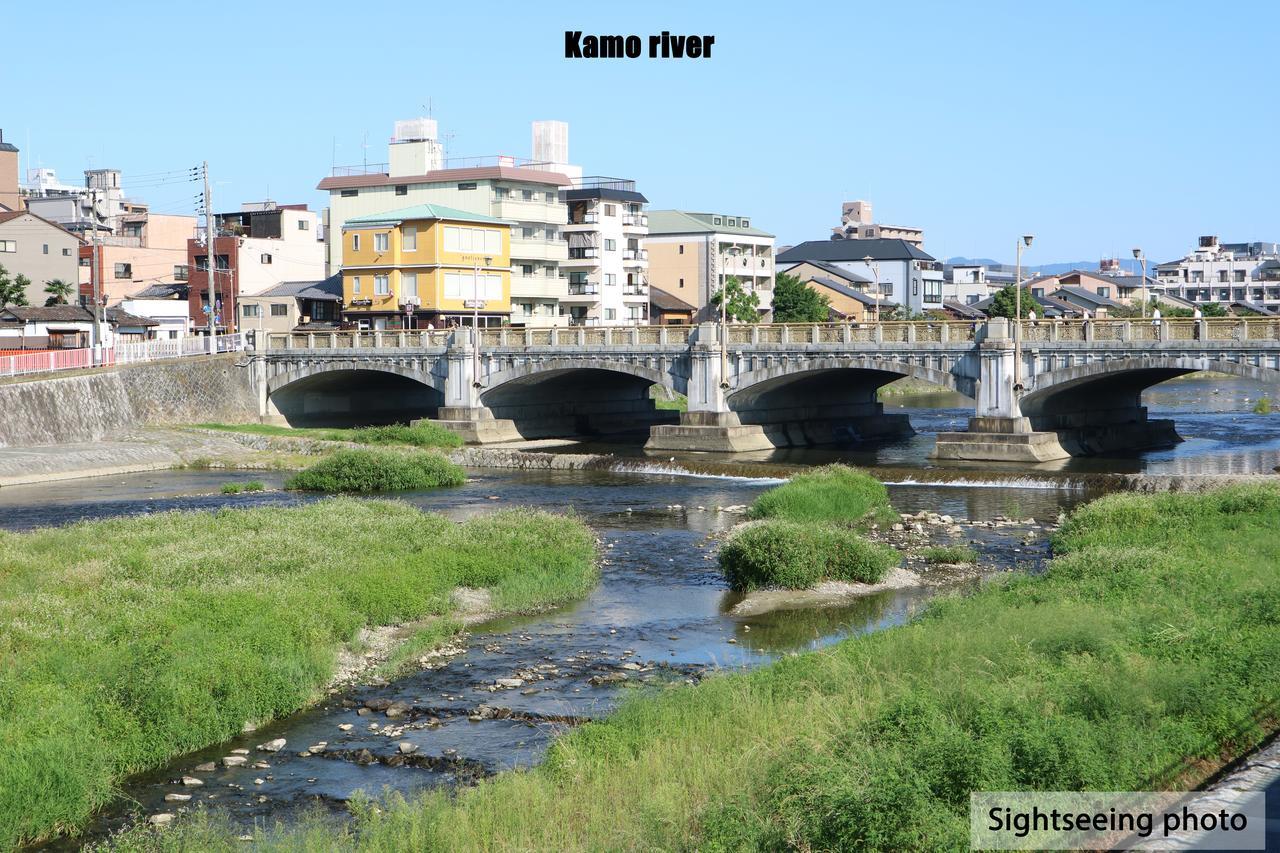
{"type": "Point", "coordinates": [1146, 656]}
{"type": "Point", "coordinates": [129, 641]}
{"type": "Point", "coordinates": [377, 471]}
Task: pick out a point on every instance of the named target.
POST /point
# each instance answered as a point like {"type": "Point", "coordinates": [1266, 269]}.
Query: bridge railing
{"type": "Point", "coordinates": [1137, 330]}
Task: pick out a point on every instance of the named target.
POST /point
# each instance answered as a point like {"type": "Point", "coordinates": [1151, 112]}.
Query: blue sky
{"type": "Point", "coordinates": [1097, 126]}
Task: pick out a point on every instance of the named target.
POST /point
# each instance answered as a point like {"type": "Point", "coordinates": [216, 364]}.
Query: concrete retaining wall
{"type": "Point", "coordinates": [101, 404]}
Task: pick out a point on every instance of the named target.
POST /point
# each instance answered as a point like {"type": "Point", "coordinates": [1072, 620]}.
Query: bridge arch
{"type": "Point", "coordinates": [864, 370]}
{"type": "Point", "coordinates": [353, 393]}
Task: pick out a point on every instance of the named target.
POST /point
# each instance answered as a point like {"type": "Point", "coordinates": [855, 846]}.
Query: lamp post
{"type": "Point", "coordinates": [874, 265]}
{"type": "Point", "coordinates": [1137, 253]}
{"type": "Point", "coordinates": [1023, 243]}
{"type": "Point", "coordinates": [475, 321]}
{"type": "Point", "coordinates": [732, 251]}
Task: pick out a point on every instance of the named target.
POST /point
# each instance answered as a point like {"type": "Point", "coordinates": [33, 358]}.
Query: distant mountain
{"type": "Point", "coordinates": [1128, 265]}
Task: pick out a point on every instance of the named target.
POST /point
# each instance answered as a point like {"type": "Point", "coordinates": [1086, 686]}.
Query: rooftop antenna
{"type": "Point", "coordinates": [365, 146]}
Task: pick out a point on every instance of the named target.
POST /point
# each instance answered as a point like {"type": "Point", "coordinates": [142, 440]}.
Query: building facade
{"type": "Point", "coordinates": [1245, 273]}
{"type": "Point", "coordinates": [148, 249]}
{"type": "Point", "coordinates": [857, 223]}
{"type": "Point", "coordinates": [10, 190]}
{"type": "Point", "coordinates": [427, 265]}
{"type": "Point", "coordinates": [294, 306]}
{"type": "Point", "coordinates": [906, 274]}
{"type": "Point", "coordinates": [691, 255]}
{"type": "Point", "coordinates": [607, 264]}
{"type": "Point", "coordinates": [523, 192]}
{"type": "Point", "coordinates": [38, 249]}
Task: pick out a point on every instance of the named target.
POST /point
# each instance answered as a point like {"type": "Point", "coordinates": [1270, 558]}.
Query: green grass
{"type": "Point", "coordinates": [129, 641]}
{"type": "Point", "coordinates": [949, 554]}
{"type": "Point", "coordinates": [237, 488]}
{"type": "Point", "coordinates": [1146, 656]}
{"type": "Point", "coordinates": [834, 493]}
{"type": "Point", "coordinates": [664, 402]}
{"type": "Point", "coordinates": [422, 435]}
{"type": "Point", "coordinates": [798, 555]}
{"type": "Point", "coordinates": [1262, 406]}
{"type": "Point", "coordinates": [377, 471]}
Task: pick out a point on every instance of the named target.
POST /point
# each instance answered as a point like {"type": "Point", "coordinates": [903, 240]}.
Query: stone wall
{"type": "Point", "coordinates": [92, 406]}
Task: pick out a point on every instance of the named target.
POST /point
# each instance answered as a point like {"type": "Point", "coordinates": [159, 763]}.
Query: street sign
{"type": "Point", "coordinates": [474, 303]}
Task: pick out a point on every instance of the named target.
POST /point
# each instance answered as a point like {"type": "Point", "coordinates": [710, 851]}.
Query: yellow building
{"type": "Point", "coordinates": [426, 265]}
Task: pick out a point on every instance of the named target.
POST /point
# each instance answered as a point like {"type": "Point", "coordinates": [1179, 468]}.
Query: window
{"type": "Point", "coordinates": [1104, 292]}
{"type": "Point", "coordinates": [746, 223]}
{"type": "Point", "coordinates": [124, 270]}
{"type": "Point", "coordinates": [610, 210]}
{"type": "Point", "coordinates": [408, 284]}
{"type": "Point", "coordinates": [526, 270]}
{"type": "Point", "coordinates": [611, 245]}
{"type": "Point", "coordinates": [469, 185]}
{"type": "Point", "coordinates": [46, 249]}
{"type": "Point", "coordinates": [409, 238]}
{"type": "Point", "coordinates": [402, 189]}
{"type": "Point", "coordinates": [1239, 275]}
{"type": "Point", "coordinates": [381, 285]}
{"type": "Point", "coordinates": [1037, 292]}
{"type": "Point", "coordinates": [501, 193]}
{"type": "Point", "coordinates": [526, 308]}
{"type": "Point", "coordinates": [682, 282]}
{"type": "Point", "coordinates": [355, 242]}
{"type": "Point", "coordinates": [350, 193]}
{"type": "Point", "coordinates": [611, 313]}
{"type": "Point", "coordinates": [266, 258]}
{"type": "Point", "coordinates": [932, 290]}
{"type": "Point", "coordinates": [681, 252]}
{"type": "Point", "coordinates": [381, 242]}
{"type": "Point", "coordinates": [527, 195]}
{"type": "Point", "coordinates": [304, 225]}
{"type": "Point", "coordinates": [551, 198]}
{"type": "Point", "coordinates": [528, 232]}
{"type": "Point", "coordinates": [279, 309]}
{"type": "Point", "coordinates": [457, 239]}
{"type": "Point", "coordinates": [633, 312]}
{"type": "Point", "coordinates": [355, 284]}
{"type": "Point", "coordinates": [181, 272]}
{"type": "Point", "coordinates": [915, 287]}
{"type": "Point", "coordinates": [249, 309]}
{"type": "Point", "coordinates": [610, 278]}
{"type": "Point", "coordinates": [715, 220]}
{"type": "Point", "coordinates": [8, 245]}
{"type": "Point", "coordinates": [66, 253]}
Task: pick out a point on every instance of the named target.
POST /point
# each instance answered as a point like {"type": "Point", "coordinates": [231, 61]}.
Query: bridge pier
{"type": "Point", "coordinates": [462, 412]}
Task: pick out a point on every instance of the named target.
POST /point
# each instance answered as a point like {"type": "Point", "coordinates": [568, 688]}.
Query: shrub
{"type": "Point", "coordinates": [796, 555]}
{"type": "Point", "coordinates": [232, 488]}
{"type": "Point", "coordinates": [831, 493]}
{"type": "Point", "coordinates": [255, 486]}
{"type": "Point", "coordinates": [377, 471]}
{"type": "Point", "coordinates": [422, 434]}
{"type": "Point", "coordinates": [949, 554]}
{"type": "Point", "coordinates": [1263, 406]}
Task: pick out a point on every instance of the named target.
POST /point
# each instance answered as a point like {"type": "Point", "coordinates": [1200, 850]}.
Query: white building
{"type": "Point", "coordinates": [907, 275]}
{"type": "Point", "coordinates": [607, 267]}
{"type": "Point", "coordinates": [167, 305]}
{"type": "Point", "coordinates": [1246, 273]}
{"type": "Point", "coordinates": [524, 192]}
{"type": "Point", "coordinates": [276, 242]}
{"type": "Point", "coordinates": [691, 255]}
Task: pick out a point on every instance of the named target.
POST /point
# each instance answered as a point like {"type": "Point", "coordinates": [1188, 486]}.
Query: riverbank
{"type": "Point", "coordinates": [1147, 656]}
{"type": "Point", "coordinates": [134, 640]}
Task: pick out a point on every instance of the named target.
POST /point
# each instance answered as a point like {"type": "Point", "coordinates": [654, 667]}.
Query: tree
{"type": "Point", "coordinates": [1003, 303]}
{"type": "Point", "coordinates": [796, 302]}
{"type": "Point", "coordinates": [13, 291]}
{"type": "Point", "coordinates": [742, 306]}
{"type": "Point", "coordinates": [59, 292]}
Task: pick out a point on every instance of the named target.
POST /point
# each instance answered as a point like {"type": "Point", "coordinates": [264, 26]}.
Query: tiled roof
{"type": "Point", "coordinates": [328, 289]}
{"type": "Point", "coordinates": [833, 270]}
{"type": "Point", "coordinates": [423, 211]}
{"type": "Point", "coordinates": [48, 313]}
{"type": "Point", "coordinates": [687, 222]}
{"type": "Point", "coordinates": [1087, 295]}
{"type": "Point", "coordinates": [664, 301]}
{"type": "Point", "coordinates": [845, 290]}
{"type": "Point", "coordinates": [890, 249]}
{"type": "Point", "coordinates": [120, 317]}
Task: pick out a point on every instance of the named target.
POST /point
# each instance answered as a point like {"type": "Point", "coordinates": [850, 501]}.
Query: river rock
{"type": "Point", "coordinates": [509, 682]}
{"type": "Point", "coordinates": [273, 745]}
{"type": "Point", "coordinates": [898, 528]}
{"type": "Point", "coordinates": [240, 752]}
{"type": "Point", "coordinates": [193, 782]}
{"type": "Point", "coordinates": [631, 665]}
{"type": "Point", "coordinates": [607, 678]}
{"type": "Point", "coordinates": [397, 709]}
{"type": "Point", "coordinates": [234, 761]}
{"type": "Point", "coordinates": [317, 748]}
{"type": "Point", "coordinates": [206, 767]}
{"type": "Point", "coordinates": [345, 727]}
{"type": "Point", "coordinates": [364, 712]}
{"type": "Point", "coordinates": [380, 703]}
{"type": "Point", "coordinates": [364, 758]}
{"type": "Point", "coordinates": [407, 748]}
{"type": "Point", "coordinates": [176, 798]}
{"type": "Point", "coordinates": [162, 819]}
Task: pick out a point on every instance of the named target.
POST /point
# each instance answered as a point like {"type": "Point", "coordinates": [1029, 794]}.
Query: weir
{"type": "Point", "coordinates": [1070, 388]}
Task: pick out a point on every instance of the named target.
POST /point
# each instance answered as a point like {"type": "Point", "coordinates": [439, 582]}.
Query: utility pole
{"type": "Point", "coordinates": [96, 276]}
{"type": "Point", "coordinates": [213, 261]}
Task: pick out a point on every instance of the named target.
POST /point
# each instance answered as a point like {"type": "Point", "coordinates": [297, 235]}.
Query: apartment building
{"type": "Point", "coordinates": [607, 265]}
{"type": "Point", "coordinates": [255, 248]}
{"type": "Point", "coordinates": [142, 249]}
{"type": "Point", "coordinates": [426, 265]}
{"type": "Point", "coordinates": [906, 274]}
{"type": "Point", "coordinates": [10, 190]}
{"type": "Point", "coordinates": [38, 249]}
{"type": "Point", "coordinates": [523, 192]}
{"type": "Point", "coordinates": [857, 223]}
{"type": "Point", "coordinates": [691, 255]}
{"type": "Point", "coordinates": [1245, 273]}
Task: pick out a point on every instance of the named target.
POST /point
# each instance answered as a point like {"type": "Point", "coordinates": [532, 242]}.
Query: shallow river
{"type": "Point", "coordinates": [659, 614]}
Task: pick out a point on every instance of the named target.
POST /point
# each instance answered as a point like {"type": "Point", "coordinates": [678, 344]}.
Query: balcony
{"type": "Point", "coordinates": [582, 292]}
{"type": "Point", "coordinates": [635, 222]}
{"type": "Point", "coordinates": [635, 257]}
{"type": "Point", "coordinates": [588, 222]}
{"type": "Point", "coordinates": [532, 210]}
{"type": "Point", "coordinates": [582, 258]}
{"type": "Point", "coordinates": [632, 292]}
{"type": "Point", "coordinates": [538, 249]}
{"type": "Point", "coordinates": [537, 286]}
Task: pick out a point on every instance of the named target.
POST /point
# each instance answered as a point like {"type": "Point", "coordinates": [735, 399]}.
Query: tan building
{"type": "Point", "coordinates": [848, 294]}
{"type": "Point", "coordinates": [294, 306]}
{"type": "Point", "coordinates": [149, 248]}
{"type": "Point", "coordinates": [10, 191]}
{"type": "Point", "coordinates": [38, 249]}
{"type": "Point", "coordinates": [668, 310]}
{"type": "Point", "coordinates": [692, 254]}
{"type": "Point", "coordinates": [857, 223]}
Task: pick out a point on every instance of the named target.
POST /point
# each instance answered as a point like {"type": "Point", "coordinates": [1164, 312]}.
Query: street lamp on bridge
{"type": "Point", "coordinates": [874, 266]}
{"type": "Point", "coordinates": [1023, 243]}
{"type": "Point", "coordinates": [1137, 253]}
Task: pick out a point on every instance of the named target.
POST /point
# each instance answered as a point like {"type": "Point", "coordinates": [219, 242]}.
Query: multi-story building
{"type": "Point", "coordinates": [294, 306]}
{"type": "Point", "coordinates": [857, 223]}
{"type": "Point", "coordinates": [427, 265]}
{"type": "Point", "coordinates": [524, 192]}
{"type": "Point", "coordinates": [10, 191]}
{"type": "Point", "coordinates": [691, 255]}
{"type": "Point", "coordinates": [144, 249]}
{"type": "Point", "coordinates": [607, 267]}
{"type": "Point", "coordinates": [166, 304]}
{"type": "Point", "coordinates": [1246, 273]}
{"type": "Point", "coordinates": [255, 248]}
{"type": "Point", "coordinates": [38, 249]}
{"type": "Point", "coordinates": [907, 275]}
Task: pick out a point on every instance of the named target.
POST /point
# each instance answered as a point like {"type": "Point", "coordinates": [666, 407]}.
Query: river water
{"type": "Point", "coordinates": [660, 614]}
